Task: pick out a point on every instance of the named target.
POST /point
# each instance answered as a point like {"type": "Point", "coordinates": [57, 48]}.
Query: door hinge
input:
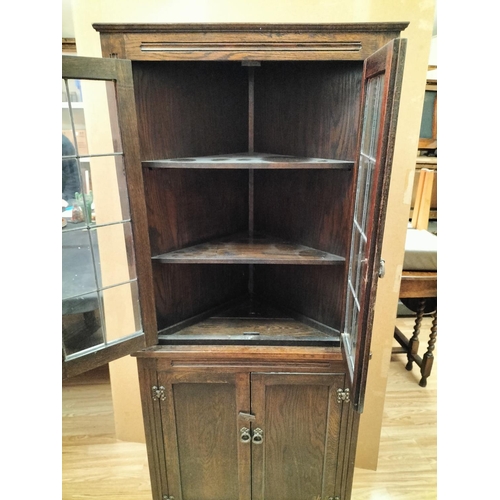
{"type": "Point", "coordinates": [166, 497]}
{"type": "Point", "coordinates": [158, 393]}
{"type": "Point", "coordinates": [381, 269]}
{"type": "Point", "coordinates": [343, 395]}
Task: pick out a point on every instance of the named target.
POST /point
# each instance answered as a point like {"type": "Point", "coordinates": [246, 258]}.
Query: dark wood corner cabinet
{"type": "Point", "coordinates": [258, 177]}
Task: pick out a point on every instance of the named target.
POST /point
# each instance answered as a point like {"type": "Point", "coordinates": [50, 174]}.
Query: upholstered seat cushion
{"type": "Point", "coordinates": [420, 251]}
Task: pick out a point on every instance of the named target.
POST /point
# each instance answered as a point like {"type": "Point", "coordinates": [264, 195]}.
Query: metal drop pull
{"type": "Point", "coordinates": [257, 437]}
{"type": "Point", "coordinates": [245, 435]}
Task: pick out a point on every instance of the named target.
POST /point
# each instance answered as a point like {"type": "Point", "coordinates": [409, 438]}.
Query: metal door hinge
{"type": "Point", "coordinates": [381, 269]}
{"type": "Point", "coordinates": [158, 393]}
{"type": "Point", "coordinates": [166, 497]}
{"type": "Point", "coordinates": [343, 395]}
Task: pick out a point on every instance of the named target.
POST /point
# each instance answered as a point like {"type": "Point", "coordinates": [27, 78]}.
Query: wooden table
{"type": "Point", "coordinates": [421, 286]}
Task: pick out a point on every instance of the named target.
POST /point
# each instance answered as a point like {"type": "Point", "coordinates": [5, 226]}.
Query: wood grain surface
{"type": "Point", "coordinates": [243, 248]}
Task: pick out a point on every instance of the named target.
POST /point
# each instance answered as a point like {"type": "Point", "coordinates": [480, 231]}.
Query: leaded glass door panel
{"type": "Point", "coordinates": [107, 310]}
{"type": "Point", "coordinates": [381, 87]}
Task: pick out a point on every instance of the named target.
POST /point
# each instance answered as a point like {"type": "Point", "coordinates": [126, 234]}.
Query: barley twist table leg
{"type": "Point", "coordinates": [428, 358]}
{"type": "Point", "coordinates": [414, 342]}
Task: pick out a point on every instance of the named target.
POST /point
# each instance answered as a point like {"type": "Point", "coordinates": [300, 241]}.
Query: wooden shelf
{"type": "Point", "coordinates": [250, 160]}
{"type": "Point", "coordinates": [244, 249]}
{"type": "Point", "coordinates": [250, 323]}
{"type": "Point", "coordinates": [216, 331]}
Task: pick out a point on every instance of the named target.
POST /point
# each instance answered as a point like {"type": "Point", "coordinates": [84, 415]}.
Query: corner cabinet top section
{"type": "Point", "coordinates": [245, 42]}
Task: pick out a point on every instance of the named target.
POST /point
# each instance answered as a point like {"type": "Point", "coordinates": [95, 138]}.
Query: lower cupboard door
{"type": "Point", "coordinates": [206, 456]}
{"type": "Point", "coordinates": [296, 433]}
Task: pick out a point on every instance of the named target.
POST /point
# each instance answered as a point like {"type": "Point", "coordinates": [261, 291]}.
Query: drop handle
{"type": "Point", "coordinates": [257, 437]}
{"type": "Point", "coordinates": [245, 435]}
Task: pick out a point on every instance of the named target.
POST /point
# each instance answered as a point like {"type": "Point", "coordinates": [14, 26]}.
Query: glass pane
{"type": "Point", "coordinates": [349, 307]}
{"type": "Point", "coordinates": [71, 179]}
{"type": "Point", "coordinates": [367, 192]}
{"type": "Point", "coordinates": [115, 257]}
{"type": "Point", "coordinates": [103, 139]}
{"type": "Point", "coordinates": [353, 268]}
{"type": "Point", "coordinates": [83, 102]}
{"type": "Point", "coordinates": [94, 190]}
{"type": "Point", "coordinates": [359, 259]}
{"type": "Point", "coordinates": [426, 127]}
{"type": "Point", "coordinates": [121, 311]}
{"type": "Point", "coordinates": [81, 323]}
{"type": "Point", "coordinates": [371, 121]}
{"type": "Point", "coordinates": [73, 117]}
{"type": "Point", "coordinates": [360, 191]}
{"type": "Point", "coordinates": [104, 180]}
{"type": "Point", "coordinates": [78, 270]}
{"type": "Point", "coordinates": [354, 328]}
{"type": "Point", "coordinates": [368, 119]}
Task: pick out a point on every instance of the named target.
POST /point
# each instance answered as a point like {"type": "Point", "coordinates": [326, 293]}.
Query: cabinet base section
{"type": "Point", "coordinates": [240, 425]}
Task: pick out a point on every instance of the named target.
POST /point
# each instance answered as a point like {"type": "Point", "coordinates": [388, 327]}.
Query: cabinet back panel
{"type": "Point", "coordinates": [191, 108]}
{"type": "Point", "coordinates": [308, 108]}
{"type": "Point", "coordinates": [186, 207]}
{"type": "Point", "coordinates": [186, 290]}
{"type": "Point", "coordinates": [308, 207]}
{"type": "Point", "coordinates": [316, 292]}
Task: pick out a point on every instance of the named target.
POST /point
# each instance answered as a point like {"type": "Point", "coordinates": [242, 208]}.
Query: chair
{"type": "Point", "coordinates": [418, 289]}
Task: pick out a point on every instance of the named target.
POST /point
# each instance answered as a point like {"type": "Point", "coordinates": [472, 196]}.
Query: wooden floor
{"type": "Point", "coordinates": [95, 465]}
{"type": "Point", "coordinates": [407, 467]}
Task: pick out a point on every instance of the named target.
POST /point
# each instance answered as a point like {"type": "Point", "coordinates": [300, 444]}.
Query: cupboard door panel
{"type": "Point", "coordinates": [300, 422]}
{"type": "Point", "coordinates": [205, 458]}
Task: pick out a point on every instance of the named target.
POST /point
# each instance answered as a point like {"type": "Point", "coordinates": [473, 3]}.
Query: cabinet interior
{"type": "Point", "coordinates": [248, 171]}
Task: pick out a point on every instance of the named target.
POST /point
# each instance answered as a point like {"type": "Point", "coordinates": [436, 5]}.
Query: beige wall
{"type": "Point", "coordinates": [420, 14]}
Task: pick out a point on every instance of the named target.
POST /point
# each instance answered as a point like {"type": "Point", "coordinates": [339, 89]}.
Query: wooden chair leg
{"type": "Point", "coordinates": [428, 358]}
{"type": "Point", "coordinates": [414, 343]}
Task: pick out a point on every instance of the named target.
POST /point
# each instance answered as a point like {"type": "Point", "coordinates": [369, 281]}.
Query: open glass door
{"type": "Point", "coordinates": [382, 77]}
{"type": "Point", "coordinates": [107, 303]}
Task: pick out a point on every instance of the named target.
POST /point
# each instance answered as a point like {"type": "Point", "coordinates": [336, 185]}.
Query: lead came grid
{"type": "Point", "coordinates": [358, 253]}
{"type": "Point", "coordinates": [85, 289]}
